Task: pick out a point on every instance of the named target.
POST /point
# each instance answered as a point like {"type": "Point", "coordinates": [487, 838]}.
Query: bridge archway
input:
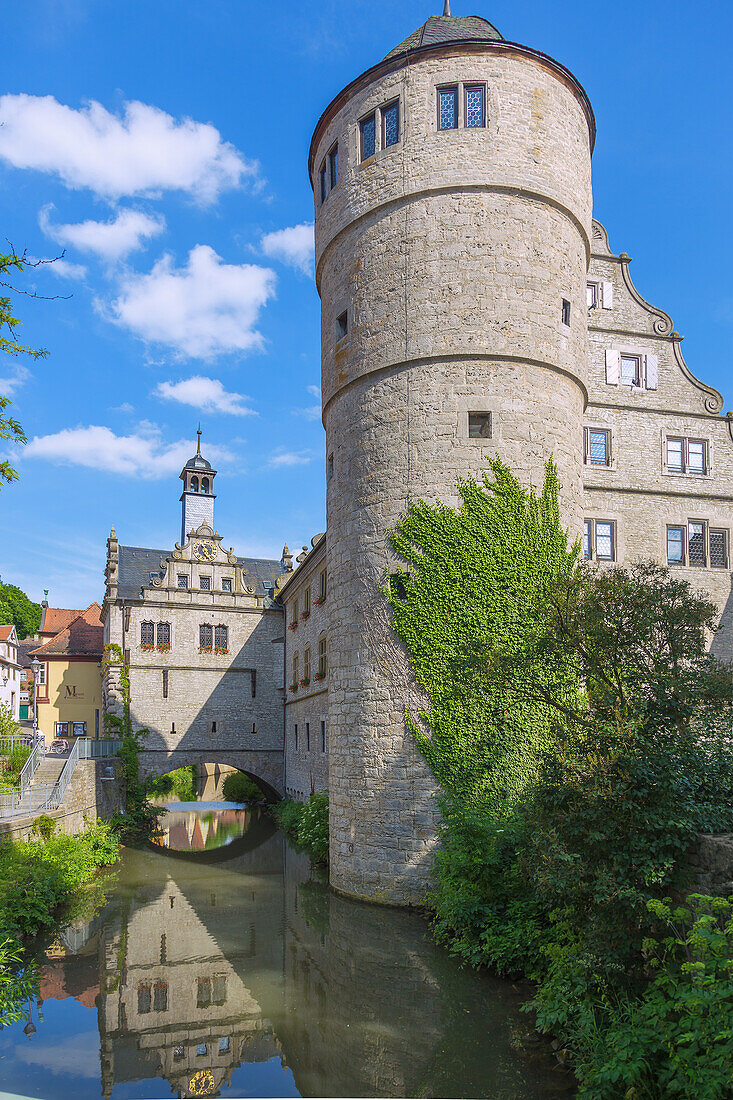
{"type": "Point", "coordinates": [266, 768]}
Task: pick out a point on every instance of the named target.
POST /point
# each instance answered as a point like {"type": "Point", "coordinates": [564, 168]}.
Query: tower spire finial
{"type": "Point", "coordinates": [198, 445]}
{"type": "Point", "coordinates": [446, 8]}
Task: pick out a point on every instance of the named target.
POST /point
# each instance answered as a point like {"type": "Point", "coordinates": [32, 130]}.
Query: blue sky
{"type": "Point", "coordinates": [163, 145]}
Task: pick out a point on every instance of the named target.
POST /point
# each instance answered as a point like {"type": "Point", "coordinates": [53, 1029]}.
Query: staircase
{"type": "Point", "coordinates": [48, 777]}
{"type": "Point", "coordinates": [48, 771]}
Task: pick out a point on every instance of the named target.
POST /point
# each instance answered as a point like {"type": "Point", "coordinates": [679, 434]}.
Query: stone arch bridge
{"type": "Point", "coordinates": [265, 766]}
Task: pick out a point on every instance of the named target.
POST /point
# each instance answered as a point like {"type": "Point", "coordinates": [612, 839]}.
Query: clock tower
{"type": "Point", "coordinates": [197, 498]}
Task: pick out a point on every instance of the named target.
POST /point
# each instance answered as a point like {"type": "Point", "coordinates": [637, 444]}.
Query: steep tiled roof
{"type": "Point", "coordinates": [5, 632]}
{"type": "Point", "coordinates": [83, 637]}
{"type": "Point", "coordinates": [57, 618]}
{"type": "Point", "coordinates": [448, 28]}
{"type": "Point", "coordinates": [136, 563]}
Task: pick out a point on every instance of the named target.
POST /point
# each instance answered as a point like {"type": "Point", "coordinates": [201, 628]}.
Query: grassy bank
{"type": "Point", "coordinates": [306, 822]}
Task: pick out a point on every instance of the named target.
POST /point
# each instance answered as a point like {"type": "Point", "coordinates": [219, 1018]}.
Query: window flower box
{"type": "Point", "coordinates": [163, 647]}
{"type": "Point", "coordinates": [293, 625]}
{"type": "Point", "coordinates": [306, 615]}
{"type": "Point", "coordinates": [304, 682]}
{"type": "Point", "coordinates": [321, 600]}
{"type": "Point", "coordinates": [147, 645]}
{"type": "Point", "coordinates": [293, 688]}
{"type": "Point", "coordinates": [205, 648]}
{"type": "Point", "coordinates": [320, 676]}
{"type": "Point", "coordinates": [221, 649]}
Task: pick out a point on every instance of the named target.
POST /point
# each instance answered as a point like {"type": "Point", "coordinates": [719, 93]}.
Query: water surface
{"type": "Point", "coordinates": [233, 971]}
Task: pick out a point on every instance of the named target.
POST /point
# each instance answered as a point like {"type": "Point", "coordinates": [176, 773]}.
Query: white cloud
{"type": "Point", "coordinates": [311, 412]}
{"type": "Point", "coordinates": [66, 270]}
{"type": "Point", "coordinates": [125, 407]}
{"type": "Point", "coordinates": [144, 150]}
{"type": "Point", "coordinates": [13, 382]}
{"type": "Point", "coordinates": [98, 448]}
{"type": "Point", "coordinates": [289, 458]}
{"type": "Point", "coordinates": [111, 240]}
{"type": "Point", "coordinates": [293, 246]}
{"type": "Point", "coordinates": [77, 1055]}
{"type": "Point", "coordinates": [203, 309]}
{"type": "Point", "coordinates": [206, 394]}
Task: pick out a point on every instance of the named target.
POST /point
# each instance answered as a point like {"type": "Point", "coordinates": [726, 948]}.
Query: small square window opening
{"type": "Point", "coordinates": [205, 584]}
{"type": "Point", "coordinates": [182, 581]}
{"type": "Point", "coordinates": [342, 324]}
{"type": "Point", "coordinates": [479, 425]}
{"type": "Point", "coordinates": [566, 312]}
{"type": "Point", "coordinates": [591, 293]}
{"type": "Point", "coordinates": [226, 584]}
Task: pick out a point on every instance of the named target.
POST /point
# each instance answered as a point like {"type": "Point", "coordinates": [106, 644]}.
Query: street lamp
{"type": "Point", "coordinates": [36, 667]}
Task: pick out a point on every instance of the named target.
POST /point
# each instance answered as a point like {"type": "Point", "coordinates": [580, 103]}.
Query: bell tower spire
{"type": "Point", "coordinates": [197, 498]}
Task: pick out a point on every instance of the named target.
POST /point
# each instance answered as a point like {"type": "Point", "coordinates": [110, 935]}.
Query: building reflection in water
{"type": "Point", "coordinates": [199, 967]}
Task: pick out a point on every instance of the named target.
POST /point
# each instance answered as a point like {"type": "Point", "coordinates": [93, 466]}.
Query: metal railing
{"type": "Point", "coordinates": [36, 798]}
{"type": "Point", "coordinates": [29, 768]}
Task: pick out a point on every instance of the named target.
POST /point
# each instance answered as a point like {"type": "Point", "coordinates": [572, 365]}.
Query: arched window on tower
{"type": "Point", "coordinates": [194, 484]}
{"type": "Point", "coordinates": [204, 484]}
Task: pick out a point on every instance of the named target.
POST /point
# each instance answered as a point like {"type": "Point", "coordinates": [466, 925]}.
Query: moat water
{"type": "Point", "coordinates": [221, 965]}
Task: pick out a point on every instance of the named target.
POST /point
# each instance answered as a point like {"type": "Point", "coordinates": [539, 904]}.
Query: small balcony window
{"type": "Point", "coordinates": [448, 108]}
{"type": "Point", "coordinates": [368, 136]}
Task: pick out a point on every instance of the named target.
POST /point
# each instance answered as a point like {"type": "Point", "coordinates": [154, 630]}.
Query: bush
{"type": "Point", "coordinates": [306, 822]}
{"type": "Point", "coordinates": [238, 787]}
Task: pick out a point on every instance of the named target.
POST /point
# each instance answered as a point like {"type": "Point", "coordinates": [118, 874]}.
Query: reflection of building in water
{"type": "Point", "coordinates": [175, 996]}
{"type": "Point", "coordinates": [196, 832]}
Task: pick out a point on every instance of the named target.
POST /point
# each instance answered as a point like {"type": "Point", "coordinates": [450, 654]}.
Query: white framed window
{"type": "Point", "coordinates": [635, 369]}
{"type": "Point", "coordinates": [597, 446]}
{"type": "Point", "coordinates": [687, 456]}
{"type": "Point", "coordinates": [599, 294]}
{"type": "Point", "coordinates": [591, 295]}
{"type": "Point", "coordinates": [599, 540]}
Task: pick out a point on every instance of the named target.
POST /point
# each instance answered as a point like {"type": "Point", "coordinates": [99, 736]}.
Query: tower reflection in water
{"type": "Point", "coordinates": [203, 967]}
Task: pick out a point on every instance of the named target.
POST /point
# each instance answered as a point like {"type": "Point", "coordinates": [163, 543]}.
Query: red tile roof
{"type": "Point", "coordinates": [83, 637]}
{"type": "Point", "coordinates": [5, 632]}
{"type": "Point", "coordinates": [57, 618]}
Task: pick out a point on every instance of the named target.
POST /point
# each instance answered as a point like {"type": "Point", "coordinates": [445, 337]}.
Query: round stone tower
{"type": "Point", "coordinates": [453, 211]}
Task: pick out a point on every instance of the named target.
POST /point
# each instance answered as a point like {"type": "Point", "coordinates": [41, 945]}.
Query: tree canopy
{"type": "Point", "coordinates": [16, 608]}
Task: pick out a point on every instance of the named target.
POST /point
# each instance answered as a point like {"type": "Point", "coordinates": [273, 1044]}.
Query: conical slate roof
{"type": "Point", "coordinates": [448, 28]}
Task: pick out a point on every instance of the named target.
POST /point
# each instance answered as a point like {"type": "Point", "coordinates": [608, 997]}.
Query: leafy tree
{"type": "Point", "coordinates": [15, 607]}
{"type": "Point", "coordinates": [12, 265]}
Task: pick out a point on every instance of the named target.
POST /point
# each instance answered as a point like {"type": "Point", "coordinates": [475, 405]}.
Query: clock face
{"type": "Point", "coordinates": [205, 551]}
{"type": "Point", "coordinates": [202, 1083]}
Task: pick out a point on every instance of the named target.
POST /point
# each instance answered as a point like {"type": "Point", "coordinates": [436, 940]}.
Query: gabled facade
{"type": "Point", "coordinates": [10, 670]}
{"type": "Point", "coordinates": [69, 690]}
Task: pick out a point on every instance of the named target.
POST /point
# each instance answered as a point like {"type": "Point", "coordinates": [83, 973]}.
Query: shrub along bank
{"type": "Point", "coordinates": [579, 731]}
{"type": "Point", "coordinates": [306, 822]}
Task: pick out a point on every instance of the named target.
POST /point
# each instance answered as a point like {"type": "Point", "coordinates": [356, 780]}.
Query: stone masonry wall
{"type": "Point", "coordinates": [451, 253]}
{"type": "Point", "coordinates": [95, 791]}
{"type": "Point", "coordinates": [306, 765]}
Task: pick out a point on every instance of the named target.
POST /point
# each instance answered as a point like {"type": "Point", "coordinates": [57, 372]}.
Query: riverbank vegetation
{"type": "Point", "coordinates": [306, 822]}
{"type": "Point", "coordinates": [182, 782]}
{"type": "Point", "coordinates": [238, 787]}
{"type": "Point", "coordinates": [580, 734]}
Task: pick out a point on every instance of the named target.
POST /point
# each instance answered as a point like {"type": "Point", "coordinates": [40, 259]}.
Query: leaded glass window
{"type": "Point", "coordinates": [598, 446]}
{"type": "Point", "coordinates": [147, 636]}
{"type": "Point", "coordinates": [221, 637]}
{"type": "Point", "coordinates": [391, 122]}
{"type": "Point", "coordinates": [226, 584]}
{"type": "Point", "coordinates": [368, 130]}
{"type": "Point", "coordinates": [474, 105]}
{"type": "Point", "coordinates": [206, 636]}
{"type": "Point", "coordinates": [333, 165]}
{"type": "Point", "coordinates": [182, 580]}
{"type": "Point", "coordinates": [605, 550]}
{"type": "Point", "coordinates": [696, 543]}
{"type": "Point", "coordinates": [447, 108]}
{"type": "Point", "coordinates": [164, 634]}
{"type": "Point", "coordinates": [205, 584]}
{"type": "Point", "coordinates": [675, 546]}
{"type": "Point", "coordinates": [719, 549]}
